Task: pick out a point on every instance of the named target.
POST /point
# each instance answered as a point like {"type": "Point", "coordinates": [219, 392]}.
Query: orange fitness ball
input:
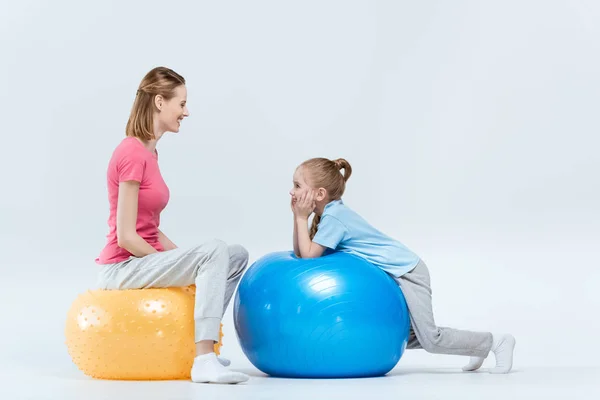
{"type": "Point", "coordinates": [142, 334]}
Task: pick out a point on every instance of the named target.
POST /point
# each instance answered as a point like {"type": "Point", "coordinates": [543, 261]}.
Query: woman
{"type": "Point", "coordinates": [137, 253]}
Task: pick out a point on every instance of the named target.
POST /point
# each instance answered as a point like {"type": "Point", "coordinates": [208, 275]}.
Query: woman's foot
{"type": "Point", "coordinates": [207, 346]}
{"type": "Point", "coordinates": [208, 369]}
{"type": "Point", "coordinates": [224, 362]}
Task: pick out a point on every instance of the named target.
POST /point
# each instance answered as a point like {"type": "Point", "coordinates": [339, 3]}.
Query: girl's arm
{"type": "Point", "coordinates": [295, 234]}
{"type": "Point", "coordinates": [165, 241]}
{"type": "Point", "coordinates": [302, 209]}
{"type": "Point", "coordinates": [306, 247]}
{"type": "Point", "coordinates": [296, 247]}
{"type": "Point", "coordinates": [127, 210]}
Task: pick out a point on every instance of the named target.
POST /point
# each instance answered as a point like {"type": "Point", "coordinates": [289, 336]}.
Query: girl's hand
{"type": "Point", "coordinates": [305, 205]}
{"type": "Point", "coordinates": [293, 203]}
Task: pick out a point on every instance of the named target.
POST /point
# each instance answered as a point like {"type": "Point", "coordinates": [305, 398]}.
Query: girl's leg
{"type": "Point", "coordinates": [416, 288]}
{"type": "Point", "coordinates": [208, 267]}
{"type": "Point", "coordinates": [413, 342]}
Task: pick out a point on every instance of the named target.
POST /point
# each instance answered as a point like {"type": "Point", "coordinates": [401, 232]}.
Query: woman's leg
{"type": "Point", "coordinates": [238, 261]}
{"type": "Point", "coordinates": [208, 267]}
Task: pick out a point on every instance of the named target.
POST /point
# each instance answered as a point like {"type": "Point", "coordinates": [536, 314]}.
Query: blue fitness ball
{"type": "Point", "coordinates": [336, 316]}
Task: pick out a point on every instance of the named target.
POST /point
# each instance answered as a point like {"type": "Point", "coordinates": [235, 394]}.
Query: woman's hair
{"type": "Point", "coordinates": [159, 81]}
{"type": "Point", "coordinates": [325, 173]}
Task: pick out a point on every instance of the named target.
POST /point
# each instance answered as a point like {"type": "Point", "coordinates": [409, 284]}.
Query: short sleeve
{"type": "Point", "coordinates": [130, 168]}
{"type": "Point", "coordinates": [330, 232]}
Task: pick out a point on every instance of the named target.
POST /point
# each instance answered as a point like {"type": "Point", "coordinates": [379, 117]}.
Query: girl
{"type": "Point", "coordinates": [318, 187]}
{"type": "Point", "coordinates": [137, 253]}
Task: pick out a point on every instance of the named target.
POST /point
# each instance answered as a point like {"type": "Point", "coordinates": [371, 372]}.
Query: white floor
{"type": "Point", "coordinates": [403, 383]}
{"type": "Point", "coordinates": [34, 363]}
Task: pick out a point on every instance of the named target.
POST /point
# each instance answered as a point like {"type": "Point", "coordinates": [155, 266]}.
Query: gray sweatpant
{"type": "Point", "coordinates": [214, 267]}
{"type": "Point", "coordinates": [424, 334]}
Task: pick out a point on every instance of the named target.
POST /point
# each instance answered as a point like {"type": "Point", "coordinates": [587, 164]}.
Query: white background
{"type": "Point", "coordinates": [472, 128]}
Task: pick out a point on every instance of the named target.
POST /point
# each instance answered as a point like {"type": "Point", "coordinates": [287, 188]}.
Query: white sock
{"type": "Point", "coordinates": [224, 362]}
{"type": "Point", "coordinates": [207, 368]}
{"type": "Point", "coordinates": [474, 364]}
{"type": "Point", "coordinates": [503, 347]}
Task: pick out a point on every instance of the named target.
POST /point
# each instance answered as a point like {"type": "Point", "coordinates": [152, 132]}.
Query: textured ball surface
{"type": "Point", "coordinates": [145, 334]}
{"type": "Point", "coordinates": [335, 316]}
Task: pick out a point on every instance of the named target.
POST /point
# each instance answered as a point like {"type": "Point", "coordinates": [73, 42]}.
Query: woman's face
{"type": "Point", "coordinates": [172, 111]}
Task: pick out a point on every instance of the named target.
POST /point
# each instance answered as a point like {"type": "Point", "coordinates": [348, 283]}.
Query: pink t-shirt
{"type": "Point", "coordinates": [131, 161]}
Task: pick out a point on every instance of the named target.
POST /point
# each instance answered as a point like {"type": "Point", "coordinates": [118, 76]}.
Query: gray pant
{"type": "Point", "coordinates": [424, 334]}
{"type": "Point", "coordinates": [214, 267]}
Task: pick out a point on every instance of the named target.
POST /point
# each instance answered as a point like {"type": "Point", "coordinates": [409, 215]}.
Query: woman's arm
{"type": "Point", "coordinates": [127, 210]}
{"type": "Point", "coordinates": [165, 241]}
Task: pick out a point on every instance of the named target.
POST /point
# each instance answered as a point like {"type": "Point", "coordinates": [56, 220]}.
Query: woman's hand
{"type": "Point", "coordinates": [305, 205]}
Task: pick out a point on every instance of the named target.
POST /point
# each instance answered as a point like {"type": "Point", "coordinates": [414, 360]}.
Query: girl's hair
{"type": "Point", "coordinates": [325, 173]}
{"type": "Point", "coordinates": [159, 81]}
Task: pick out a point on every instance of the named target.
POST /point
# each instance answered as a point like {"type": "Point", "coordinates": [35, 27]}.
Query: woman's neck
{"type": "Point", "coordinates": [158, 133]}
{"type": "Point", "coordinates": [150, 145]}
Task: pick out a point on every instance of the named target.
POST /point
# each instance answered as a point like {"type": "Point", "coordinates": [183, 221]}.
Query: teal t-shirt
{"type": "Point", "coordinates": [342, 229]}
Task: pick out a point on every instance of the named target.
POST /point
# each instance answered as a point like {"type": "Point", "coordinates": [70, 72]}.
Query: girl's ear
{"type": "Point", "coordinates": [321, 194]}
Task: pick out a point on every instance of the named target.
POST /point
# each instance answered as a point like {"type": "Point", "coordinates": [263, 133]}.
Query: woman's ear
{"type": "Point", "coordinates": [321, 194]}
{"type": "Point", "coordinates": [158, 101]}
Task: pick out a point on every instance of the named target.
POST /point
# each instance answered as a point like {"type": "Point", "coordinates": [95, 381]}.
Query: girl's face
{"type": "Point", "coordinates": [300, 185]}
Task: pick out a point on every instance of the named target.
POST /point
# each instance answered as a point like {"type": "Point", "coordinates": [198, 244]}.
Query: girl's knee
{"type": "Point", "coordinates": [431, 342]}
{"type": "Point", "coordinates": [430, 347]}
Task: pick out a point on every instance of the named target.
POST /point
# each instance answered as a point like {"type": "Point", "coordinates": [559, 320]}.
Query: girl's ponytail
{"type": "Point", "coordinates": [341, 163]}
